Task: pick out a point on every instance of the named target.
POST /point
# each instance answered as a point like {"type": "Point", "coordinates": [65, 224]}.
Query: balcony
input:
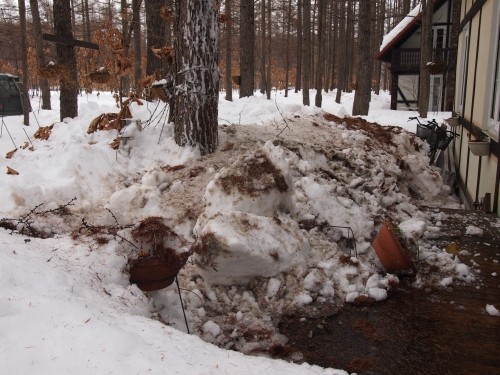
{"type": "Point", "coordinates": [408, 59]}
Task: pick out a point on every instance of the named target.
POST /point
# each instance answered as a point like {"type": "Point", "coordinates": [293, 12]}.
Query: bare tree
{"type": "Point", "coordinates": [342, 60]}
{"type": "Point", "coordinates": [247, 47]}
{"type": "Point", "coordinates": [24, 62]}
{"type": "Point", "coordinates": [306, 51]}
{"type": "Point", "coordinates": [66, 59]}
{"type": "Point", "coordinates": [229, 49]}
{"type": "Point", "coordinates": [425, 57]}
{"type": "Point", "coordinates": [40, 57]}
{"type": "Point", "coordinates": [298, 75]}
{"type": "Point", "coordinates": [362, 96]}
{"type": "Point", "coordinates": [136, 20]}
{"type": "Point", "coordinates": [197, 74]}
{"type": "Point", "coordinates": [156, 29]}
{"type": "Point", "coordinates": [287, 67]}
{"type": "Point", "coordinates": [321, 52]}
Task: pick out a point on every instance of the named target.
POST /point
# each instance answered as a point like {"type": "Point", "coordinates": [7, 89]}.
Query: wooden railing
{"type": "Point", "coordinates": [409, 58]}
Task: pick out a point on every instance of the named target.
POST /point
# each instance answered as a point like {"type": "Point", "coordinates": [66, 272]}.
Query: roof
{"type": "Point", "coordinates": [399, 32]}
{"type": "Point", "coordinates": [403, 30]}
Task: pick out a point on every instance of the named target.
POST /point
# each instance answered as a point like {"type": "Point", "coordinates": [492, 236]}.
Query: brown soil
{"type": "Point", "coordinates": [443, 331]}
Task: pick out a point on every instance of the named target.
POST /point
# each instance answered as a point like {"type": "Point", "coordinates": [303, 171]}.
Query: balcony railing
{"type": "Point", "coordinates": [409, 58]}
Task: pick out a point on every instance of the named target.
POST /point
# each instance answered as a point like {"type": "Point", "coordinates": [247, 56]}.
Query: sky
{"type": "Point", "coordinates": [258, 248]}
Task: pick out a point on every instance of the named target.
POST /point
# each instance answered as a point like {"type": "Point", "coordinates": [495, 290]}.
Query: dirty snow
{"type": "Point", "coordinates": [295, 237]}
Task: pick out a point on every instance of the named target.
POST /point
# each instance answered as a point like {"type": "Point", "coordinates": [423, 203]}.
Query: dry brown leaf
{"type": "Point", "coordinates": [10, 154]}
{"type": "Point", "coordinates": [12, 171]}
{"type": "Point", "coordinates": [43, 132]}
{"type": "Point", "coordinates": [115, 144]}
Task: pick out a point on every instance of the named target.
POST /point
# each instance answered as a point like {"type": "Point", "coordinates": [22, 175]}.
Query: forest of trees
{"type": "Point", "coordinates": [261, 44]}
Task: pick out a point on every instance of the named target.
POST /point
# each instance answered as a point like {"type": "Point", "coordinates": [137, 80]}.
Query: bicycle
{"type": "Point", "coordinates": [424, 130]}
{"type": "Point", "coordinates": [438, 137]}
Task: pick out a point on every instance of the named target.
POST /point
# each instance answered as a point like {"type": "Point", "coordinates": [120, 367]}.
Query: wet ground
{"type": "Point", "coordinates": [415, 331]}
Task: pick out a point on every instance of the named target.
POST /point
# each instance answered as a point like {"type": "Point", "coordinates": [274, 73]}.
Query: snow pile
{"type": "Point", "coordinates": [281, 217]}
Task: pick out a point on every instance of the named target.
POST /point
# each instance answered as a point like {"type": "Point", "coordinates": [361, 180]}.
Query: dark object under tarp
{"type": "Point", "coordinates": [11, 102]}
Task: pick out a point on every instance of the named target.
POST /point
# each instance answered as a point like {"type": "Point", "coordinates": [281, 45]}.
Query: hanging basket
{"type": "Point", "coordinates": [156, 272]}
{"type": "Point", "coordinates": [452, 121]}
{"type": "Point", "coordinates": [100, 76]}
{"type": "Point", "coordinates": [480, 148]}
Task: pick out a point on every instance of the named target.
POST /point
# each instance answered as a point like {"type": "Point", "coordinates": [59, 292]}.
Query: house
{"type": "Point", "coordinates": [400, 49]}
{"type": "Point", "coordinates": [10, 95]}
{"type": "Point", "coordinates": [477, 104]}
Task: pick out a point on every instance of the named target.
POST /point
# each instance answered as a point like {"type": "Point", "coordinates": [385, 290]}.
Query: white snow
{"type": "Point", "coordinates": [66, 303]}
{"type": "Point", "coordinates": [492, 310]}
{"type": "Point", "coordinates": [472, 230]}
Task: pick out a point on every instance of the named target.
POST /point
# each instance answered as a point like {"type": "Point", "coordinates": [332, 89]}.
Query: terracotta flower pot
{"type": "Point", "coordinates": [393, 256]}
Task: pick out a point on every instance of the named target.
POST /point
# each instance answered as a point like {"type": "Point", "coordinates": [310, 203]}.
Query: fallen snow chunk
{"type": "Point", "coordinates": [378, 294]}
{"type": "Point", "coordinates": [201, 312]}
{"type": "Point", "coordinates": [372, 282]}
{"type": "Point", "coordinates": [235, 247]}
{"type": "Point", "coordinates": [239, 315]}
{"type": "Point", "coordinates": [303, 299]}
{"type": "Point", "coordinates": [356, 182]}
{"type": "Point", "coordinates": [313, 281]}
{"type": "Point", "coordinates": [473, 231]}
{"type": "Point", "coordinates": [413, 228]}
{"type": "Point", "coordinates": [273, 287]}
{"type": "Point", "coordinates": [462, 269]}
{"type": "Point", "coordinates": [492, 310]}
{"type": "Point", "coordinates": [493, 274]}
{"type": "Point", "coordinates": [446, 281]}
{"type": "Point", "coordinates": [351, 297]}
{"type": "Point", "coordinates": [328, 290]}
{"type": "Point", "coordinates": [212, 328]}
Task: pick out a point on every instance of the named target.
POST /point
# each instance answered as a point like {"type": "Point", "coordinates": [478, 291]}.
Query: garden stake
{"type": "Point", "coordinates": [182, 304]}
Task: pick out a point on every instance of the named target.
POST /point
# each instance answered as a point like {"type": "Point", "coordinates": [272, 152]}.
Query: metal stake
{"type": "Point", "coordinates": [182, 304]}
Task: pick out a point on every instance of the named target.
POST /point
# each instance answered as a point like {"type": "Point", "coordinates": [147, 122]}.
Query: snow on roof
{"type": "Point", "coordinates": [400, 27]}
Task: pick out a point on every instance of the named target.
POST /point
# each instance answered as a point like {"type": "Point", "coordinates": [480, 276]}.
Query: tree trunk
{"type": "Point", "coordinates": [229, 51]}
{"type": "Point", "coordinates": [66, 59]}
{"type": "Point", "coordinates": [136, 19]}
{"type": "Point", "coordinates": [287, 68]}
{"type": "Point", "coordinates": [88, 35]}
{"type": "Point", "coordinates": [425, 57]}
{"type": "Point", "coordinates": [247, 48]}
{"type": "Point", "coordinates": [40, 58]}
{"type": "Point", "coordinates": [342, 59]}
{"type": "Point", "coordinates": [124, 80]}
{"type": "Point", "coordinates": [362, 95]}
{"type": "Point", "coordinates": [155, 36]}
{"type": "Point", "coordinates": [298, 75]}
{"type": "Point", "coordinates": [321, 52]}
{"type": "Point", "coordinates": [197, 74]}
{"type": "Point", "coordinates": [306, 52]}
{"type": "Point", "coordinates": [24, 62]}
{"type": "Point", "coordinates": [269, 83]}
{"type": "Point", "coordinates": [263, 58]}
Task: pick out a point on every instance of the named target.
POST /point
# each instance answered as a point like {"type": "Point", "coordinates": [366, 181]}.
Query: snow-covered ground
{"type": "Point", "coordinates": [261, 215]}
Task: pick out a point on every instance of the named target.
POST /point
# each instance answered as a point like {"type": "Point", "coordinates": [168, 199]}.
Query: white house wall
{"type": "Point", "coordinates": [478, 175]}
